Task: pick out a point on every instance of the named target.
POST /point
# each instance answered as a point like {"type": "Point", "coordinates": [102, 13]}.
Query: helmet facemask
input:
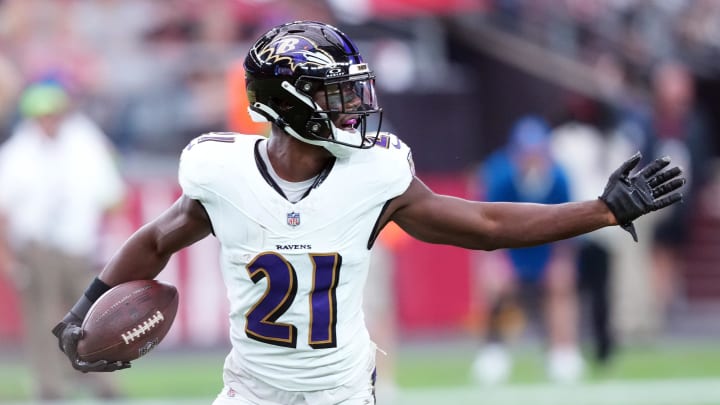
{"type": "Point", "coordinates": [315, 105]}
{"type": "Point", "coordinates": [342, 107]}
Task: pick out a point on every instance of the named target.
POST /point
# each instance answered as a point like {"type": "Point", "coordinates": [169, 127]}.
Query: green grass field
{"type": "Point", "coordinates": [671, 374]}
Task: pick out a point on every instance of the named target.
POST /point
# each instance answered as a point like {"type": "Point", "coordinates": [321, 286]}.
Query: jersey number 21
{"type": "Point", "coordinates": [281, 289]}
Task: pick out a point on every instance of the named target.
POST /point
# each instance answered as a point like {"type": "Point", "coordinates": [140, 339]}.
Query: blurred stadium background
{"type": "Point", "coordinates": [453, 76]}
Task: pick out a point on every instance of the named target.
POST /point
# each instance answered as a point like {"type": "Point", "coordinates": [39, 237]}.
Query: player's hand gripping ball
{"type": "Point", "coordinates": [128, 321]}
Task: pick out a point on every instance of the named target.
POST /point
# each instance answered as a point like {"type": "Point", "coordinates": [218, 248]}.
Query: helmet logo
{"type": "Point", "coordinates": [286, 45]}
{"type": "Point", "coordinates": [334, 72]}
{"type": "Point", "coordinates": [295, 50]}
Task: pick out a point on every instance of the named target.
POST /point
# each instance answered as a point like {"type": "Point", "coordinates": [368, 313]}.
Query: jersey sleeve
{"type": "Point", "coordinates": [196, 169]}
{"type": "Point", "coordinates": [205, 161]}
{"type": "Point", "coordinates": [397, 166]}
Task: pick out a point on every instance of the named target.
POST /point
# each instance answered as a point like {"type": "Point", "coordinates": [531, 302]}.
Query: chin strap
{"type": "Point", "coordinates": [262, 113]}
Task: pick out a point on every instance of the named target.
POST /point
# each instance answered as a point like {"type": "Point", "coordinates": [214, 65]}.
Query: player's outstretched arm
{"type": "Point", "coordinates": [142, 256]}
{"type": "Point", "coordinates": [449, 220]}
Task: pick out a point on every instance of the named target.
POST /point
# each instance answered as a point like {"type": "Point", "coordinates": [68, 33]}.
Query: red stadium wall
{"type": "Point", "coordinates": [10, 318]}
{"type": "Point", "coordinates": [433, 283]}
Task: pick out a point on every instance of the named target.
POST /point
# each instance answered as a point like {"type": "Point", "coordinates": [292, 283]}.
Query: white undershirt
{"type": "Point", "coordinates": [293, 190]}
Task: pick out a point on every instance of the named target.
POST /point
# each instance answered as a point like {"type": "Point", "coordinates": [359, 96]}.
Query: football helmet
{"type": "Point", "coordinates": [304, 77]}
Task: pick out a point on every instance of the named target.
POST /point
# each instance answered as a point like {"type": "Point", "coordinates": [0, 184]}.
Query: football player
{"type": "Point", "coordinates": [297, 213]}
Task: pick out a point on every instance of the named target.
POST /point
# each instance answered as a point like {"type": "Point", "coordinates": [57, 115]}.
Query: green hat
{"type": "Point", "coordinates": [43, 99]}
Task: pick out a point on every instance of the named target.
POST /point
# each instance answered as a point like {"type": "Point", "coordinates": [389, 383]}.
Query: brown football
{"type": "Point", "coordinates": [128, 321]}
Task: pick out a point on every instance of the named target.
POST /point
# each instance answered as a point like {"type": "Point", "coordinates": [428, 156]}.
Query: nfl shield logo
{"type": "Point", "coordinates": [293, 219]}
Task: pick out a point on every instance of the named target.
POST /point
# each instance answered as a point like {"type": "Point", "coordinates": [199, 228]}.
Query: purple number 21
{"type": "Point", "coordinates": [280, 293]}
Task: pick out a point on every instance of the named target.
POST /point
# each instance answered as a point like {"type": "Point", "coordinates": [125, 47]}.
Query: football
{"type": "Point", "coordinates": [128, 321]}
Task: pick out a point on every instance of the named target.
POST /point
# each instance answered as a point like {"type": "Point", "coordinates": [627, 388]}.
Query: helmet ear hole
{"type": "Point", "coordinates": [305, 86]}
{"type": "Point", "coordinates": [314, 127]}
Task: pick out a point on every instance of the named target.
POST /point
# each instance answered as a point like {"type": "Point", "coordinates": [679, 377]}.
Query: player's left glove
{"type": "Point", "coordinates": [649, 189]}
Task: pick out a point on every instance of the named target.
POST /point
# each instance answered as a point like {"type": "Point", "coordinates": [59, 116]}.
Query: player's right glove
{"type": "Point", "coordinates": [69, 332]}
{"type": "Point", "coordinates": [650, 189]}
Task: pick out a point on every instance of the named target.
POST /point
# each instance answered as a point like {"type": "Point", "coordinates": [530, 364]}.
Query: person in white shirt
{"type": "Point", "coordinates": [297, 215]}
{"type": "Point", "coordinates": [58, 178]}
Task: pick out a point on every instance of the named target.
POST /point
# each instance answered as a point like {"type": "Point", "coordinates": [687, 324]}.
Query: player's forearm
{"type": "Point", "coordinates": [520, 225]}
{"type": "Point", "coordinates": [139, 258]}
{"type": "Point", "coordinates": [497, 225]}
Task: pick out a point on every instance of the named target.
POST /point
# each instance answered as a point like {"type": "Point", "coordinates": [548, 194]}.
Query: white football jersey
{"type": "Point", "coordinates": [294, 273]}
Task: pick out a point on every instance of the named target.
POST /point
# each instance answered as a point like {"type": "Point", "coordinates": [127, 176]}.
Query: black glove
{"type": "Point", "coordinates": [630, 196]}
{"type": "Point", "coordinates": [69, 332]}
